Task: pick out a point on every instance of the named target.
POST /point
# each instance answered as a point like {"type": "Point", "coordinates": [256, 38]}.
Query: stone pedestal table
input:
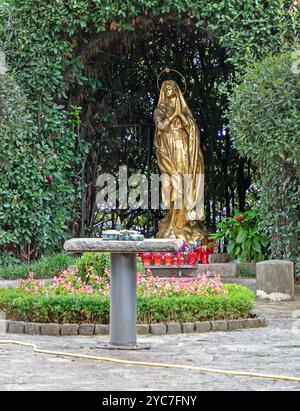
{"type": "Point", "coordinates": [122, 280]}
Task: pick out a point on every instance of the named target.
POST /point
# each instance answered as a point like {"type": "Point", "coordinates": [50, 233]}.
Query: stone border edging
{"type": "Point", "coordinates": [53, 329]}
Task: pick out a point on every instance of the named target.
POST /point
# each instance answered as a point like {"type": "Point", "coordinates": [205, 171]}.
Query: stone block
{"type": "Point", "coordinates": [32, 328]}
{"type": "Point", "coordinates": [50, 329]}
{"type": "Point", "coordinates": [218, 258]}
{"type": "Point", "coordinates": [253, 322]}
{"type": "Point", "coordinates": [247, 282]}
{"type": "Point", "coordinates": [142, 329]}
{"type": "Point", "coordinates": [219, 325]}
{"type": "Point", "coordinates": [86, 329]}
{"type": "Point", "coordinates": [16, 327]}
{"type": "Point", "coordinates": [3, 326]}
{"type": "Point", "coordinates": [102, 329]}
{"type": "Point", "coordinates": [246, 269]}
{"type": "Point", "coordinates": [165, 271]}
{"type": "Point", "coordinates": [224, 269]}
{"type": "Point", "coordinates": [275, 280]}
{"type": "Point", "coordinates": [158, 329]}
{"type": "Point", "coordinates": [235, 325]}
{"type": "Point", "coordinates": [262, 322]}
{"type": "Point", "coordinates": [188, 327]}
{"type": "Point", "coordinates": [174, 328]}
{"type": "Point", "coordinates": [69, 329]}
{"type": "Point", "coordinates": [202, 326]}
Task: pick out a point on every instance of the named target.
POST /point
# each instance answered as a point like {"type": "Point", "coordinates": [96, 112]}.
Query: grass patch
{"type": "Point", "coordinates": [46, 267]}
{"type": "Point", "coordinates": [69, 308]}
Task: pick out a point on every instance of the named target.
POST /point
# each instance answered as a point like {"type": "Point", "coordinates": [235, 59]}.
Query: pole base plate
{"type": "Point", "coordinates": [130, 347]}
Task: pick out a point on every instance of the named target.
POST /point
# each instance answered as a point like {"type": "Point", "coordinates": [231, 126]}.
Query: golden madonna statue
{"type": "Point", "coordinates": [180, 160]}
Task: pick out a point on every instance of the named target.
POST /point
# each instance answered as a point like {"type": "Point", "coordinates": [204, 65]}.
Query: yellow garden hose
{"type": "Point", "coordinates": [153, 364]}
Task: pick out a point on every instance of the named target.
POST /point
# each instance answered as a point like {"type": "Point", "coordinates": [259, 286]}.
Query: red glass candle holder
{"type": "Point", "coordinates": [198, 251]}
{"type": "Point", "coordinates": [147, 257]}
{"type": "Point", "coordinates": [157, 257]}
{"type": "Point", "coordinates": [181, 260]}
{"type": "Point", "coordinates": [168, 258]}
{"type": "Point", "coordinates": [175, 261]}
{"type": "Point", "coordinates": [178, 254]}
{"type": "Point", "coordinates": [204, 258]}
{"type": "Point", "coordinates": [191, 257]}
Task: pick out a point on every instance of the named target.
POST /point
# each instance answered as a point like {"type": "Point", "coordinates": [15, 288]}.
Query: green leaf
{"type": "Point", "coordinates": [242, 235]}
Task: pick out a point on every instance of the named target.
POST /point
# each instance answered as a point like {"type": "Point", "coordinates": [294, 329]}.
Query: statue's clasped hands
{"type": "Point", "coordinates": [178, 113]}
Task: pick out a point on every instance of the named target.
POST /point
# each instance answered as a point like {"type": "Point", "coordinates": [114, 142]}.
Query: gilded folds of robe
{"type": "Point", "coordinates": [181, 164]}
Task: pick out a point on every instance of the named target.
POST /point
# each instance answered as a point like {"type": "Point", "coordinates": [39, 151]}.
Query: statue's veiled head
{"type": "Point", "coordinates": [169, 93]}
{"type": "Point", "coordinates": [169, 89]}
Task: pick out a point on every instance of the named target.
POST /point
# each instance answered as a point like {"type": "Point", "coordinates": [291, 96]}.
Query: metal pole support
{"type": "Point", "coordinates": [123, 299]}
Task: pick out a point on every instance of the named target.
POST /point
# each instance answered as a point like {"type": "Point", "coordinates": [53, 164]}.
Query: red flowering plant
{"type": "Point", "coordinates": [244, 239]}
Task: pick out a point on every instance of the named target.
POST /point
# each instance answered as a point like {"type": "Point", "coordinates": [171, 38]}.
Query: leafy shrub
{"type": "Point", "coordinates": [97, 264]}
{"type": "Point", "coordinates": [93, 263]}
{"type": "Point", "coordinates": [87, 308]}
{"type": "Point", "coordinates": [7, 258]}
{"type": "Point", "coordinates": [46, 267]}
{"type": "Point", "coordinates": [265, 126]}
{"type": "Point", "coordinates": [245, 240]}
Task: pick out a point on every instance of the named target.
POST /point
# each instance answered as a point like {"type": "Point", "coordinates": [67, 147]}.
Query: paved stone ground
{"type": "Point", "coordinates": [275, 349]}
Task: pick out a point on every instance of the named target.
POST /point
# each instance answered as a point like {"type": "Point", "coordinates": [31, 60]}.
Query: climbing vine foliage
{"type": "Point", "coordinates": [36, 180]}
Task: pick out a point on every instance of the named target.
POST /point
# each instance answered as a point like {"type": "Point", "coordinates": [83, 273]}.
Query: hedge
{"type": "Point", "coordinates": [95, 309]}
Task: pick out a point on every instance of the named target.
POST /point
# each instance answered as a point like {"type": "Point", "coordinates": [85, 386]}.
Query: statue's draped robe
{"type": "Point", "coordinates": [181, 165]}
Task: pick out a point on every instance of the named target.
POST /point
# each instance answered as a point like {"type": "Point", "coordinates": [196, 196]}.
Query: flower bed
{"type": "Point", "coordinates": [70, 299]}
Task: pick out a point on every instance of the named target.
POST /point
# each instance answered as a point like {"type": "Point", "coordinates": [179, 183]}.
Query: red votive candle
{"type": "Point", "coordinates": [168, 259]}
{"type": "Point", "coordinates": [157, 258]}
{"type": "Point", "coordinates": [146, 258]}
{"type": "Point", "coordinates": [204, 258]}
{"type": "Point", "coordinates": [191, 257]}
{"type": "Point", "coordinates": [181, 260]}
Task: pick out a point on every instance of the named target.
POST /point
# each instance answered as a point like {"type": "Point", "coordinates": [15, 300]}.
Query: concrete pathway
{"type": "Point", "coordinates": [274, 349]}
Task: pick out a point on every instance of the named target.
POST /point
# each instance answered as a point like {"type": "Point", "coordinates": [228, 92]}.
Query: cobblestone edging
{"type": "Point", "coordinates": [21, 327]}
